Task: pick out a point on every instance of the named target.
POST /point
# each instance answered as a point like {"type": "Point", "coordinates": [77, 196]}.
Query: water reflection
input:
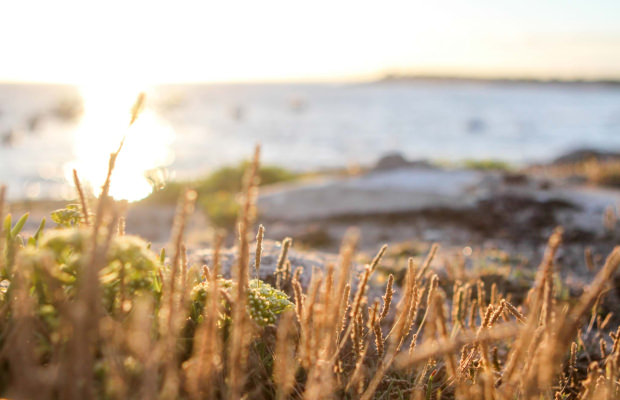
{"type": "Point", "coordinates": [102, 127]}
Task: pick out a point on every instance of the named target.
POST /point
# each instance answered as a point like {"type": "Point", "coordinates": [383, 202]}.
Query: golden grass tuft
{"type": "Point", "coordinates": [433, 338]}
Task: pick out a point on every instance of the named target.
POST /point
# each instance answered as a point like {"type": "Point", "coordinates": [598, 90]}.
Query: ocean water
{"type": "Point", "coordinates": [302, 127]}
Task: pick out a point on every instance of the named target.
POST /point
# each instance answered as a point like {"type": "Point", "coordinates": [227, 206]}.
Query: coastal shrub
{"type": "Point", "coordinates": [221, 207]}
{"type": "Point", "coordinates": [229, 178]}
{"type": "Point", "coordinates": [129, 266]}
{"type": "Point", "coordinates": [487, 165]}
{"type": "Point", "coordinates": [265, 302]}
{"type": "Point", "coordinates": [68, 216]}
{"type": "Point", "coordinates": [218, 190]}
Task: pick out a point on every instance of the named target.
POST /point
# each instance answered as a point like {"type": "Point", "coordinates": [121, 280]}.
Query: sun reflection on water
{"type": "Point", "coordinates": [104, 124]}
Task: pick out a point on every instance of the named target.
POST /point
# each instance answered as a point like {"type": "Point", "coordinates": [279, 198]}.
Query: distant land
{"type": "Point", "coordinates": [404, 78]}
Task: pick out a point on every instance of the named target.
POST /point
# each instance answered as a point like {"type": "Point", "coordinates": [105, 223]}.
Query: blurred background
{"type": "Point", "coordinates": [319, 84]}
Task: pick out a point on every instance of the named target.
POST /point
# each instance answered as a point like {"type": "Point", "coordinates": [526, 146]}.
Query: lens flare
{"type": "Point", "coordinates": [107, 114]}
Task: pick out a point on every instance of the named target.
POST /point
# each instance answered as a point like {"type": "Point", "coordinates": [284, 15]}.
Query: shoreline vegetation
{"type": "Point", "coordinates": [89, 311]}
{"type": "Point", "coordinates": [216, 191]}
{"type": "Point", "coordinates": [462, 200]}
{"type": "Point", "coordinates": [452, 79]}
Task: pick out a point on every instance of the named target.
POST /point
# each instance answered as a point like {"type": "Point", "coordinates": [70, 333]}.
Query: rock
{"type": "Point", "coordinates": [8, 138]}
{"type": "Point", "coordinates": [399, 190]}
{"type": "Point", "coordinates": [514, 178]}
{"type": "Point", "coordinates": [583, 155]}
{"type": "Point", "coordinates": [447, 205]}
{"type": "Point", "coordinates": [576, 180]}
{"type": "Point", "coordinates": [314, 236]}
{"type": "Point", "coordinates": [545, 184]}
{"type": "Point", "coordinates": [396, 160]}
{"type": "Point", "coordinates": [34, 123]}
{"type": "Point", "coordinates": [476, 125]}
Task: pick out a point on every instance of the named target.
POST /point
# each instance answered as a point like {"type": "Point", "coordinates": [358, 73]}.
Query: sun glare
{"type": "Point", "coordinates": [104, 124]}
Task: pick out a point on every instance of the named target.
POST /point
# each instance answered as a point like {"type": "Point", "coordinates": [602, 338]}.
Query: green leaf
{"type": "Point", "coordinates": [429, 385]}
{"type": "Point", "coordinates": [39, 231]}
{"type": "Point", "coordinates": [19, 225]}
{"type": "Point", "coordinates": [157, 283]}
{"type": "Point", "coordinates": [7, 226]}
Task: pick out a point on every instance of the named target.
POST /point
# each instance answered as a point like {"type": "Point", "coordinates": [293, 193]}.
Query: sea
{"type": "Point", "coordinates": [188, 130]}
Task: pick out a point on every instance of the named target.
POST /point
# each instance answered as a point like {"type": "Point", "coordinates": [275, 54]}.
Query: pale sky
{"type": "Point", "coordinates": [78, 41]}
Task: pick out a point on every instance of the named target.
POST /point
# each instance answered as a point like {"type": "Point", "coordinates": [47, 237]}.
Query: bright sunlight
{"type": "Point", "coordinates": [105, 121]}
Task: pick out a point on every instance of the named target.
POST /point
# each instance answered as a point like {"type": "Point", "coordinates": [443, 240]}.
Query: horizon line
{"type": "Point", "coordinates": [374, 78]}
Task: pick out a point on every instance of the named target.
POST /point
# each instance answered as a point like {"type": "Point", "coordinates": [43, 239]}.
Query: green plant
{"type": "Point", "coordinates": [68, 216]}
{"type": "Point", "coordinates": [130, 268]}
{"type": "Point", "coordinates": [217, 191]}
{"type": "Point", "coordinates": [264, 302]}
{"type": "Point", "coordinates": [13, 241]}
{"type": "Point", "coordinates": [221, 208]}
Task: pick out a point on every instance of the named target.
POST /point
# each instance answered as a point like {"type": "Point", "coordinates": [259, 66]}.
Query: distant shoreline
{"type": "Point", "coordinates": [404, 78]}
{"type": "Point", "coordinates": [386, 78]}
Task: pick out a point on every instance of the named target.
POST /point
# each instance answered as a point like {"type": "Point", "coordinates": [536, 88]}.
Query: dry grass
{"type": "Point", "coordinates": [72, 329]}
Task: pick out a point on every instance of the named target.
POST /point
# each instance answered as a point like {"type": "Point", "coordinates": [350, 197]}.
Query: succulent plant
{"type": "Point", "coordinates": [68, 216]}
{"type": "Point", "coordinates": [129, 264]}
{"type": "Point", "coordinates": [264, 303]}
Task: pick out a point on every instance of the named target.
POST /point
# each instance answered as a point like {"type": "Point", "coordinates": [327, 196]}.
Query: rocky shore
{"type": "Point", "coordinates": [414, 202]}
{"type": "Point", "coordinates": [410, 204]}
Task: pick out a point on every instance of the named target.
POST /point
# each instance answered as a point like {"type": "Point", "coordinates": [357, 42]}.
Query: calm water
{"type": "Point", "coordinates": [301, 126]}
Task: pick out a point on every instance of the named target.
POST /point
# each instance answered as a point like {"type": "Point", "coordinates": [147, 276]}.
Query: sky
{"type": "Point", "coordinates": [148, 42]}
